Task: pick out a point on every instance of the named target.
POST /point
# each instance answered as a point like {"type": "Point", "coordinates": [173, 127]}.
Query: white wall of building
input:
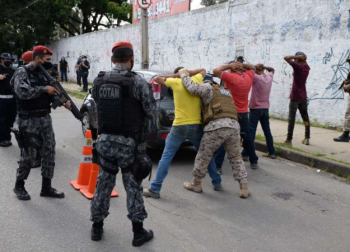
{"type": "Point", "coordinates": [262, 31]}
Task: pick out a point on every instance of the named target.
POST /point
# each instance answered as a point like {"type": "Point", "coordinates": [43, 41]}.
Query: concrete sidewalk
{"type": "Point", "coordinates": [321, 148]}
{"type": "Point", "coordinates": [321, 141]}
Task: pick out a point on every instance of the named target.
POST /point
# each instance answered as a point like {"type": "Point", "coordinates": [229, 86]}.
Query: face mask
{"type": "Point", "coordinates": [15, 66]}
{"type": "Point", "coordinates": [7, 63]}
{"type": "Point", "coordinates": [47, 65]}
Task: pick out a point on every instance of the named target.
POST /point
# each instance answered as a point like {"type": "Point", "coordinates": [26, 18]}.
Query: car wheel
{"type": "Point", "coordinates": [86, 125]}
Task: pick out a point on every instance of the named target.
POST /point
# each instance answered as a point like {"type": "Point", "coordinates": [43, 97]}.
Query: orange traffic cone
{"type": "Point", "coordinates": [89, 191]}
{"type": "Point", "coordinates": [85, 164]}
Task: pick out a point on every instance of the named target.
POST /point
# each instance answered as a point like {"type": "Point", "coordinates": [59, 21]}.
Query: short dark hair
{"type": "Point", "coordinates": [177, 69]}
{"type": "Point", "coordinates": [122, 55]}
{"type": "Point", "coordinates": [35, 54]}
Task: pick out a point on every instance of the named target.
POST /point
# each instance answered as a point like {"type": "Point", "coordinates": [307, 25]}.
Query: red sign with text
{"type": "Point", "coordinates": [160, 8]}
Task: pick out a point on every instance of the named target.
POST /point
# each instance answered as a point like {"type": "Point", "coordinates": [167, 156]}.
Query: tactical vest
{"type": "Point", "coordinates": [221, 106]}
{"type": "Point", "coordinates": [42, 102]}
{"type": "Point", "coordinates": [119, 112]}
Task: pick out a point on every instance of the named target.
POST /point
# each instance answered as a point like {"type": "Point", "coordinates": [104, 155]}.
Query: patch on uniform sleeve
{"type": "Point", "coordinates": [225, 92]}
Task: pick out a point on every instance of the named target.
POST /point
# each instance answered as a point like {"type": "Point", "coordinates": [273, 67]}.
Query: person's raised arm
{"type": "Point", "coordinates": [220, 69]}
{"type": "Point", "coordinates": [290, 58]}
{"type": "Point", "coordinates": [197, 71]}
{"type": "Point", "coordinates": [269, 69]}
{"type": "Point", "coordinates": [249, 67]}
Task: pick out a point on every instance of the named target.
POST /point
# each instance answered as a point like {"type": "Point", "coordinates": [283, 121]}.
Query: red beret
{"type": "Point", "coordinates": [42, 49]}
{"type": "Point", "coordinates": [27, 56]}
{"type": "Point", "coordinates": [122, 44]}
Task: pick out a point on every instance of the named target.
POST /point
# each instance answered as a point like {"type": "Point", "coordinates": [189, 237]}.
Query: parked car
{"type": "Point", "coordinates": [157, 129]}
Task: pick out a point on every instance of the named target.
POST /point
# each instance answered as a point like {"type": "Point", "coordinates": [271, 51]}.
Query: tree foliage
{"type": "Point", "coordinates": [21, 28]}
{"type": "Point", "coordinates": [212, 2]}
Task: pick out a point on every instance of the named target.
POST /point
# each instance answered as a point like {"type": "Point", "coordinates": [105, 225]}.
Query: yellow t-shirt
{"type": "Point", "coordinates": [187, 106]}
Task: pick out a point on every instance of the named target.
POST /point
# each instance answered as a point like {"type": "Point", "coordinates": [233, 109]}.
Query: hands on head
{"type": "Point", "coordinates": [183, 71]}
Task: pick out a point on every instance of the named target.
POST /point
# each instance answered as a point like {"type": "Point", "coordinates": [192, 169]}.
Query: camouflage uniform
{"type": "Point", "coordinates": [38, 131]}
{"type": "Point", "coordinates": [347, 113]}
{"type": "Point", "coordinates": [120, 151]}
{"type": "Point", "coordinates": [224, 131]}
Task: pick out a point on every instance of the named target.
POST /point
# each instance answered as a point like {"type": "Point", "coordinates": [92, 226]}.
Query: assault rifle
{"type": "Point", "coordinates": [62, 97]}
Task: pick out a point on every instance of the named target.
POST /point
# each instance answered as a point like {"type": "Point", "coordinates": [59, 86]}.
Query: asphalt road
{"type": "Point", "coordinates": [292, 208]}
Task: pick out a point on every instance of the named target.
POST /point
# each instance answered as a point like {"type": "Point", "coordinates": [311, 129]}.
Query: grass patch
{"type": "Point", "coordinates": [339, 173]}
{"type": "Point", "coordinates": [315, 123]}
{"type": "Point", "coordinates": [337, 160]}
{"type": "Point", "coordinates": [333, 153]}
{"type": "Point", "coordinates": [260, 138]}
{"type": "Point", "coordinates": [79, 95]}
{"type": "Point", "coordinates": [319, 154]}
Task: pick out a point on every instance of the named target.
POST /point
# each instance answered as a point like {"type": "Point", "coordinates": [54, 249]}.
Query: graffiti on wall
{"type": "Point", "coordinates": [340, 71]}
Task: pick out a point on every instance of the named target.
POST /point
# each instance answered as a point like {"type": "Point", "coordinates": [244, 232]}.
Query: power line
{"type": "Point", "coordinates": [25, 7]}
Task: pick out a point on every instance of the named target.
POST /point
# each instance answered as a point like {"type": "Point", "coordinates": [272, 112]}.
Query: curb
{"type": "Point", "coordinates": [307, 159]}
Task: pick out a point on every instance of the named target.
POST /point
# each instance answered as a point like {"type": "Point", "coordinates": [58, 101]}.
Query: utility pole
{"type": "Point", "coordinates": [145, 51]}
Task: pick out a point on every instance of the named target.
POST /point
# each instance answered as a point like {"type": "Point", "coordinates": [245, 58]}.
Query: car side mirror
{"type": "Point", "coordinates": [90, 90]}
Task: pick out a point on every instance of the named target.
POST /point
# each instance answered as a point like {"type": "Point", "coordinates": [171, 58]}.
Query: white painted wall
{"type": "Point", "coordinates": [262, 31]}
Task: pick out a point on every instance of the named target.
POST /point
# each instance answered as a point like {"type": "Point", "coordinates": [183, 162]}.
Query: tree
{"type": "Point", "coordinates": [212, 2]}
{"type": "Point", "coordinates": [21, 27]}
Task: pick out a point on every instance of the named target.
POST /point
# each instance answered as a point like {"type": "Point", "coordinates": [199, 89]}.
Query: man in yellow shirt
{"type": "Point", "coordinates": [187, 126]}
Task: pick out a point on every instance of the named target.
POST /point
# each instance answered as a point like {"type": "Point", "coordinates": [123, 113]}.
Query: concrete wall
{"type": "Point", "coordinates": [262, 31]}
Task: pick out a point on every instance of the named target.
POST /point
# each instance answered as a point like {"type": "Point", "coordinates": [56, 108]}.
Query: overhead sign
{"type": "Point", "coordinates": [159, 8]}
{"type": "Point", "coordinates": [144, 4]}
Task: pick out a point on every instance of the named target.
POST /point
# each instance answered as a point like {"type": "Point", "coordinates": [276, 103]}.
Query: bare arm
{"type": "Point", "coordinates": [249, 67]}
{"type": "Point", "coordinates": [58, 67]}
{"type": "Point", "coordinates": [290, 58]}
{"type": "Point", "coordinates": [220, 69]}
{"type": "Point", "coordinates": [197, 71]}
{"type": "Point", "coordinates": [269, 69]}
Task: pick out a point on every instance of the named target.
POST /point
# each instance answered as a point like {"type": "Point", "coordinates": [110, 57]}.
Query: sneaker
{"type": "Point", "coordinates": [306, 141]}
{"type": "Point", "coordinates": [273, 156]}
{"type": "Point", "coordinates": [142, 238]}
{"type": "Point", "coordinates": [254, 166]}
{"type": "Point", "coordinates": [287, 142]}
{"type": "Point", "coordinates": [245, 158]}
{"type": "Point", "coordinates": [149, 194]}
{"type": "Point", "coordinates": [217, 187]}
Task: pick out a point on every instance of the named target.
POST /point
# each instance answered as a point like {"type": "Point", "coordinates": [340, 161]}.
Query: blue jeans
{"type": "Point", "coordinates": [248, 141]}
{"type": "Point", "coordinates": [220, 156]}
{"type": "Point", "coordinates": [64, 75]}
{"type": "Point", "coordinates": [177, 136]}
{"type": "Point", "coordinates": [261, 115]}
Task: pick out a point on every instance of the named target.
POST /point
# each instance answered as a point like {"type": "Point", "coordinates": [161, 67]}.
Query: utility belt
{"type": "Point", "coordinates": [141, 168]}
{"type": "Point", "coordinates": [136, 134]}
{"type": "Point", "coordinates": [25, 114]}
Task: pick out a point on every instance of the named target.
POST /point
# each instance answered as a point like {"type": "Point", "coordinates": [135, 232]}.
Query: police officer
{"type": "Point", "coordinates": [124, 99]}
{"type": "Point", "coordinates": [33, 99]}
{"type": "Point", "coordinates": [221, 128]}
{"type": "Point", "coordinates": [346, 87]}
{"type": "Point", "coordinates": [27, 57]}
{"type": "Point", "coordinates": [84, 71]}
{"type": "Point", "coordinates": [7, 101]}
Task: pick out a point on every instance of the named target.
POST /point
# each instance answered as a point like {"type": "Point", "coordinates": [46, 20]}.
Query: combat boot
{"type": "Point", "coordinates": [244, 192]}
{"type": "Point", "coordinates": [194, 185]}
{"type": "Point", "coordinates": [343, 138]}
{"type": "Point", "coordinates": [141, 235]}
{"type": "Point", "coordinates": [20, 191]}
{"type": "Point", "coordinates": [97, 231]}
{"type": "Point", "coordinates": [48, 191]}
